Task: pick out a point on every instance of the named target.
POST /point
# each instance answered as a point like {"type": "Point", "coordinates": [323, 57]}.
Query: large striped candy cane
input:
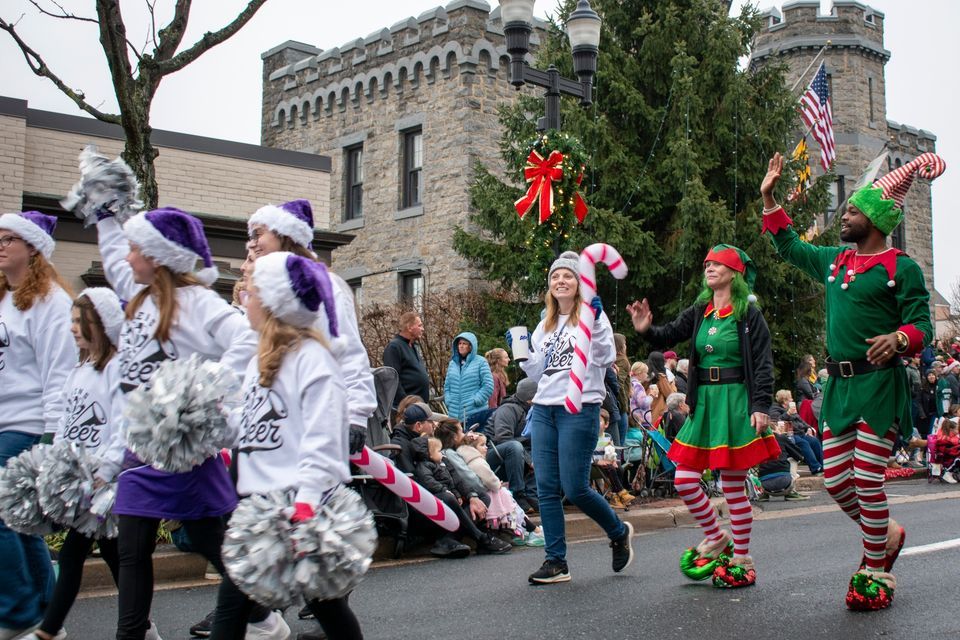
{"type": "Point", "coordinates": [384, 472]}
{"type": "Point", "coordinates": [593, 254]}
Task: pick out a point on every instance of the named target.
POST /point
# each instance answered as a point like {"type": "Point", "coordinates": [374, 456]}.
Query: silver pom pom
{"type": "Point", "coordinates": [334, 548]}
{"type": "Point", "coordinates": [66, 489]}
{"type": "Point", "coordinates": [179, 421]}
{"type": "Point", "coordinates": [258, 550]}
{"type": "Point", "coordinates": [19, 500]}
{"type": "Point", "coordinates": [106, 187]}
{"type": "Point", "coordinates": [751, 298]}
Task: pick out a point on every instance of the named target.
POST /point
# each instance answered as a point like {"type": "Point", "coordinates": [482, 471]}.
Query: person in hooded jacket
{"type": "Point", "coordinates": [469, 382]}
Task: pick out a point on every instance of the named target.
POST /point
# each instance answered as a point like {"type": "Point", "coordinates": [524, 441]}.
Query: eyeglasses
{"type": "Point", "coordinates": [6, 241]}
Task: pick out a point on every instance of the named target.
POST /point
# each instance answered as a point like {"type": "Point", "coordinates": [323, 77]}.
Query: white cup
{"type": "Point", "coordinates": [519, 344]}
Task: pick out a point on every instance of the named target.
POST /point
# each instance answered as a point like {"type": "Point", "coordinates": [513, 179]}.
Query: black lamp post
{"type": "Point", "coordinates": [583, 30]}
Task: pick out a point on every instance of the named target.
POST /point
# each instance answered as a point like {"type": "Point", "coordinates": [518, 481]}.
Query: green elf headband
{"type": "Point", "coordinates": [882, 202]}
{"type": "Point", "coordinates": [736, 259]}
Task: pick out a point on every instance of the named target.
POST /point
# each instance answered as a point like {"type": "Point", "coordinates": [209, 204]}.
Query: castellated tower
{"type": "Point", "coordinates": [403, 113]}
{"type": "Point", "coordinates": [855, 63]}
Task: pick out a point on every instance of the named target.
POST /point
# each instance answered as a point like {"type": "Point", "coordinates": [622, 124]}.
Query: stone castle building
{"type": "Point", "coordinates": [855, 63]}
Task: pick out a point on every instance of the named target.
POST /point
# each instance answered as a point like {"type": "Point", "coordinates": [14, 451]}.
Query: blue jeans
{"type": "Point", "coordinates": [812, 451]}
{"type": "Point", "coordinates": [25, 560]}
{"type": "Point", "coordinates": [563, 447]}
{"type": "Point", "coordinates": [506, 460]}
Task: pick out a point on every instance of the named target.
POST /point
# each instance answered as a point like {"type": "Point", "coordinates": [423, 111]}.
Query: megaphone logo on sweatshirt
{"type": "Point", "coordinates": [559, 347]}
{"type": "Point", "coordinates": [142, 354]}
{"type": "Point", "coordinates": [263, 411]}
{"type": "Point", "coordinates": [85, 419]}
{"type": "Point", "coordinates": [4, 343]}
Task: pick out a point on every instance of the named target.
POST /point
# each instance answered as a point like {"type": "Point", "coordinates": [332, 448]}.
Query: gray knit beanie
{"type": "Point", "coordinates": [567, 260]}
{"type": "Point", "coordinates": [526, 389]}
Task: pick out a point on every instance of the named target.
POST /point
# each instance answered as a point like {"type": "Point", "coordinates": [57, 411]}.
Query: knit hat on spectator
{"type": "Point", "coordinates": [882, 202]}
{"type": "Point", "coordinates": [292, 219]}
{"type": "Point", "coordinates": [736, 259]}
{"type": "Point", "coordinates": [420, 411]}
{"type": "Point", "coordinates": [108, 307]}
{"type": "Point", "coordinates": [174, 239]}
{"type": "Point", "coordinates": [567, 260]}
{"type": "Point", "coordinates": [34, 227]}
{"type": "Point", "coordinates": [293, 288]}
{"type": "Point", "coordinates": [526, 389]}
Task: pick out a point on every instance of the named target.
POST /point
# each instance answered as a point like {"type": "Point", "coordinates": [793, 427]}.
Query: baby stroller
{"type": "Point", "coordinates": [652, 473]}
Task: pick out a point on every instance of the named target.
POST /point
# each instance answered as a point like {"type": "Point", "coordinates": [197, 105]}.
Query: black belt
{"type": "Point", "coordinates": [850, 368]}
{"type": "Point", "coordinates": [719, 375]}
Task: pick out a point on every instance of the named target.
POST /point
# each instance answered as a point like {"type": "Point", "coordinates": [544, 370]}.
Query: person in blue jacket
{"type": "Point", "coordinates": [469, 383]}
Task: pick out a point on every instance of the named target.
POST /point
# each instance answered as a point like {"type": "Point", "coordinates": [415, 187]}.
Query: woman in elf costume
{"type": "Point", "coordinates": [729, 392]}
{"type": "Point", "coordinates": [878, 311]}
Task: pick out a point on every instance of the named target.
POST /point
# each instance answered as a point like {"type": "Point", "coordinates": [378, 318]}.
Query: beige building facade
{"type": "Point", "coordinates": [221, 182]}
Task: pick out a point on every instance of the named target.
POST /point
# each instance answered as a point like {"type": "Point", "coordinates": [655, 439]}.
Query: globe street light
{"type": "Point", "coordinates": [583, 31]}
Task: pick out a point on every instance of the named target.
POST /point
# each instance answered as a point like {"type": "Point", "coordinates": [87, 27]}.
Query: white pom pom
{"type": "Point", "coordinates": [891, 283]}
{"type": "Point", "coordinates": [207, 276]}
{"type": "Point", "coordinates": [831, 278]}
{"type": "Point", "coordinates": [850, 272]}
{"type": "Point", "coordinates": [751, 298]}
{"type": "Point", "coordinates": [832, 266]}
{"type": "Point", "coordinates": [844, 286]}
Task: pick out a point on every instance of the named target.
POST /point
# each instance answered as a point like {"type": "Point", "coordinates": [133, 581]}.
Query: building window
{"type": "Point", "coordinates": [838, 194]}
{"type": "Point", "coordinates": [412, 168]}
{"type": "Point", "coordinates": [870, 95]}
{"type": "Point", "coordinates": [898, 239]}
{"type": "Point", "coordinates": [353, 183]}
{"type": "Point", "coordinates": [356, 287]}
{"type": "Point", "coordinates": [411, 289]}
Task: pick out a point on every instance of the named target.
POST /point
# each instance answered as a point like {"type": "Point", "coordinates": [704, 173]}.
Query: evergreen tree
{"type": "Point", "coordinates": [678, 140]}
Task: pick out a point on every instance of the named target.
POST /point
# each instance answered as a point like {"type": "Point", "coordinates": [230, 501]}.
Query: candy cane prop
{"type": "Point", "coordinates": [384, 472]}
{"type": "Point", "coordinates": [593, 254]}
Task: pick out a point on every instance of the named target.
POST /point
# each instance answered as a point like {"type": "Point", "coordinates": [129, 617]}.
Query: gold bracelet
{"type": "Point", "coordinates": [903, 342]}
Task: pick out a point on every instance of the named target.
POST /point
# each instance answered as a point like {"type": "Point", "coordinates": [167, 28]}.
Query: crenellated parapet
{"type": "Point", "coordinates": [460, 38]}
{"type": "Point", "coordinates": [907, 142]}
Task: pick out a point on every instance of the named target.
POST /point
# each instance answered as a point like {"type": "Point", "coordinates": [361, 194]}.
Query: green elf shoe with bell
{"type": "Point", "coordinates": [870, 591]}
{"type": "Point", "coordinates": [698, 563]}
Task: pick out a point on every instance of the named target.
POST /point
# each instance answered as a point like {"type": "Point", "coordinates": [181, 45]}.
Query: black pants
{"type": "Point", "coordinates": [136, 542]}
{"type": "Point", "coordinates": [468, 527]}
{"type": "Point", "coordinates": [233, 609]}
{"type": "Point", "coordinates": [73, 554]}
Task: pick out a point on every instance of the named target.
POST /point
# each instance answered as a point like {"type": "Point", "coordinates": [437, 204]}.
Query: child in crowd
{"type": "Point", "coordinates": [605, 460]}
{"type": "Point", "coordinates": [430, 471]}
{"type": "Point", "coordinates": [946, 451]}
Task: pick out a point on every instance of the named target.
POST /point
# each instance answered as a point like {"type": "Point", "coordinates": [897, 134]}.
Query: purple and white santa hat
{"type": "Point", "coordinates": [174, 239]}
{"type": "Point", "coordinates": [34, 227]}
{"type": "Point", "coordinates": [292, 219]}
{"type": "Point", "coordinates": [108, 307]}
{"type": "Point", "coordinates": [293, 288]}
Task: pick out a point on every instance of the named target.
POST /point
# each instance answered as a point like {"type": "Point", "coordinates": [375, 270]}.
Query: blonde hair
{"type": "Point", "coordinates": [163, 290]}
{"type": "Point", "coordinates": [782, 395]}
{"type": "Point", "coordinates": [640, 366]}
{"type": "Point", "coordinates": [434, 444]}
{"type": "Point", "coordinates": [277, 339]}
{"type": "Point", "coordinates": [39, 281]}
{"type": "Point", "coordinates": [553, 311]}
{"type": "Point", "coordinates": [493, 359]}
{"type": "Point", "coordinates": [91, 328]}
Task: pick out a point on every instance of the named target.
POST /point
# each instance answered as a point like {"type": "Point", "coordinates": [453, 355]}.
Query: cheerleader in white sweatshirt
{"type": "Point", "coordinates": [171, 314]}
{"type": "Point", "coordinates": [294, 403]}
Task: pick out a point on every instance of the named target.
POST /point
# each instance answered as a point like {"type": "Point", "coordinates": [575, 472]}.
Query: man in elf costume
{"type": "Point", "coordinates": [878, 310]}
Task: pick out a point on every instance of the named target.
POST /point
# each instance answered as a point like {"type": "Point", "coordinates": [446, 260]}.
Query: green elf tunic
{"type": "Point", "coordinates": [718, 435]}
{"type": "Point", "coordinates": [866, 296]}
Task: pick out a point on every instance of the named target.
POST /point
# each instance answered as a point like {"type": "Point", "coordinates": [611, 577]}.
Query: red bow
{"type": "Point", "coordinates": [541, 174]}
{"type": "Point", "coordinates": [579, 204]}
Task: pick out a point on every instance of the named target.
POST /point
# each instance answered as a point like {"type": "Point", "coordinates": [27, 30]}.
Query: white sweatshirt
{"type": "Point", "coordinates": [37, 353]}
{"type": "Point", "coordinates": [551, 356]}
{"type": "Point", "coordinates": [91, 402]}
{"type": "Point", "coordinates": [205, 324]}
{"type": "Point", "coordinates": [289, 432]}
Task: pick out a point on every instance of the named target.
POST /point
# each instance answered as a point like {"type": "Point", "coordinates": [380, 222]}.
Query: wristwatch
{"type": "Point", "coordinates": [903, 342]}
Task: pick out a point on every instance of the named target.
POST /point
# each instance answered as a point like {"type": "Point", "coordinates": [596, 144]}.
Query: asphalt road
{"type": "Point", "coordinates": [805, 555]}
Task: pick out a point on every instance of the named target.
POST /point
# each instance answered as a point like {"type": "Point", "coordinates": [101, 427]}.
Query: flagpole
{"type": "Point", "coordinates": [809, 66]}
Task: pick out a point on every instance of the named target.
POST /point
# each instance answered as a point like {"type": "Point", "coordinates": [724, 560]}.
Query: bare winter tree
{"type": "Point", "coordinates": [134, 84]}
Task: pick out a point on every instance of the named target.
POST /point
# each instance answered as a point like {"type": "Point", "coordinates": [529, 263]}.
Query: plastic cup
{"type": "Point", "coordinates": [520, 345]}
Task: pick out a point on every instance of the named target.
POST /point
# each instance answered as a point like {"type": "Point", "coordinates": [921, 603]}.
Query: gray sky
{"type": "Point", "coordinates": [219, 94]}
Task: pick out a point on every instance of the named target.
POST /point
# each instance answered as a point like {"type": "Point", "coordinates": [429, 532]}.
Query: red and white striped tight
{"type": "Point", "coordinates": [687, 482]}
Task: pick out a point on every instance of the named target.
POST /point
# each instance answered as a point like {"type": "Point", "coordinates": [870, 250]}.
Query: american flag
{"type": "Point", "coordinates": [816, 113]}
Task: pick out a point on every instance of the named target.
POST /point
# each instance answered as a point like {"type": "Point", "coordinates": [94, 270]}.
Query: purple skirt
{"type": "Point", "coordinates": [203, 492]}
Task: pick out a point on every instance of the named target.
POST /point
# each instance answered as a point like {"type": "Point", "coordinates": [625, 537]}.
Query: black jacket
{"type": "Point", "coordinates": [778, 413]}
{"type": "Point", "coordinates": [680, 382]}
{"type": "Point", "coordinates": [508, 421]}
{"type": "Point", "coordinates": [610, 401]}
{"type": "Point", "coordinates": [400, 355]}
{"type": "Point", "coordinates": [404, 438]}
{"type": "Point", "coordinates": [754, 348]}
{"type": "Point", "coordinates": [434, 477]}
{"type": "Point", "coordinates": [805, 390]}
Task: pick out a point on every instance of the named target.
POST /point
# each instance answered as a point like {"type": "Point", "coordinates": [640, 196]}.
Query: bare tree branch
{"type": "Point", "coordinates": [63, 15]}
{"type": "Point", "coordinates": [208, 41]}
{"type": "Point", "coordinates": [40, 68]}
{"type": "Point", "coordinates": [151, 7]}
{"type": "Point", "coordinates": [172, 34]}
{"type": "Point", "coordinates": [113, 39]}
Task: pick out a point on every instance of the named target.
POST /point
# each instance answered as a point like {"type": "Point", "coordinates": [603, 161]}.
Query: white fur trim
{"type": "Point", "coordinates": [37, 237]}
{"type": "Point", "coordinates": [272, 281]}
{"type": "Point", "coordinates": [207, 275]}
{"type": "Point", "coordinates": [283, 223]}
{"type": "Point", "coordinates": [107, 304]}
{"type": "Point", "coordinates": [154, 244]}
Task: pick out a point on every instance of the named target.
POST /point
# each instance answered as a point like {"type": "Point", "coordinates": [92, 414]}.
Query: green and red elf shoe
{"type": "Point", "coordinates": [736, 573]}
{"type": "Point", "coordinates": [870, 591]}
{"type": "Point", "coordinates": [698, 563]}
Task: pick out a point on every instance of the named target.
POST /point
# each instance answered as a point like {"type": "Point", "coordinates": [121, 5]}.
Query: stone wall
{"type": "Point", "coordinates": [446, 71]}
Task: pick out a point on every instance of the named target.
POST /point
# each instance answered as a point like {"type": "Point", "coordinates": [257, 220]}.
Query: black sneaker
{"type": "Point", "coordinates": [492, 545]}
{"type": "Point", "coordinates": [448, 547]}
{"type": "Point", "coordinates": [550, 572]}
{"type": "Point", "coordinates": [305, 613]}
{"type": "Point", "coordinates": [523, 503]}
{"type": "Point", "coordinates": [622, 549]}
{"type": "Point", "coordinates": [203, 628]}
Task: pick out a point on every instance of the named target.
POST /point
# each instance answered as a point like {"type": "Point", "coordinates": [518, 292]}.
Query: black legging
{"type": "Point", "coordinates": [136, 542]}
{"type": "Point", "coordinates": [72, 556]}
